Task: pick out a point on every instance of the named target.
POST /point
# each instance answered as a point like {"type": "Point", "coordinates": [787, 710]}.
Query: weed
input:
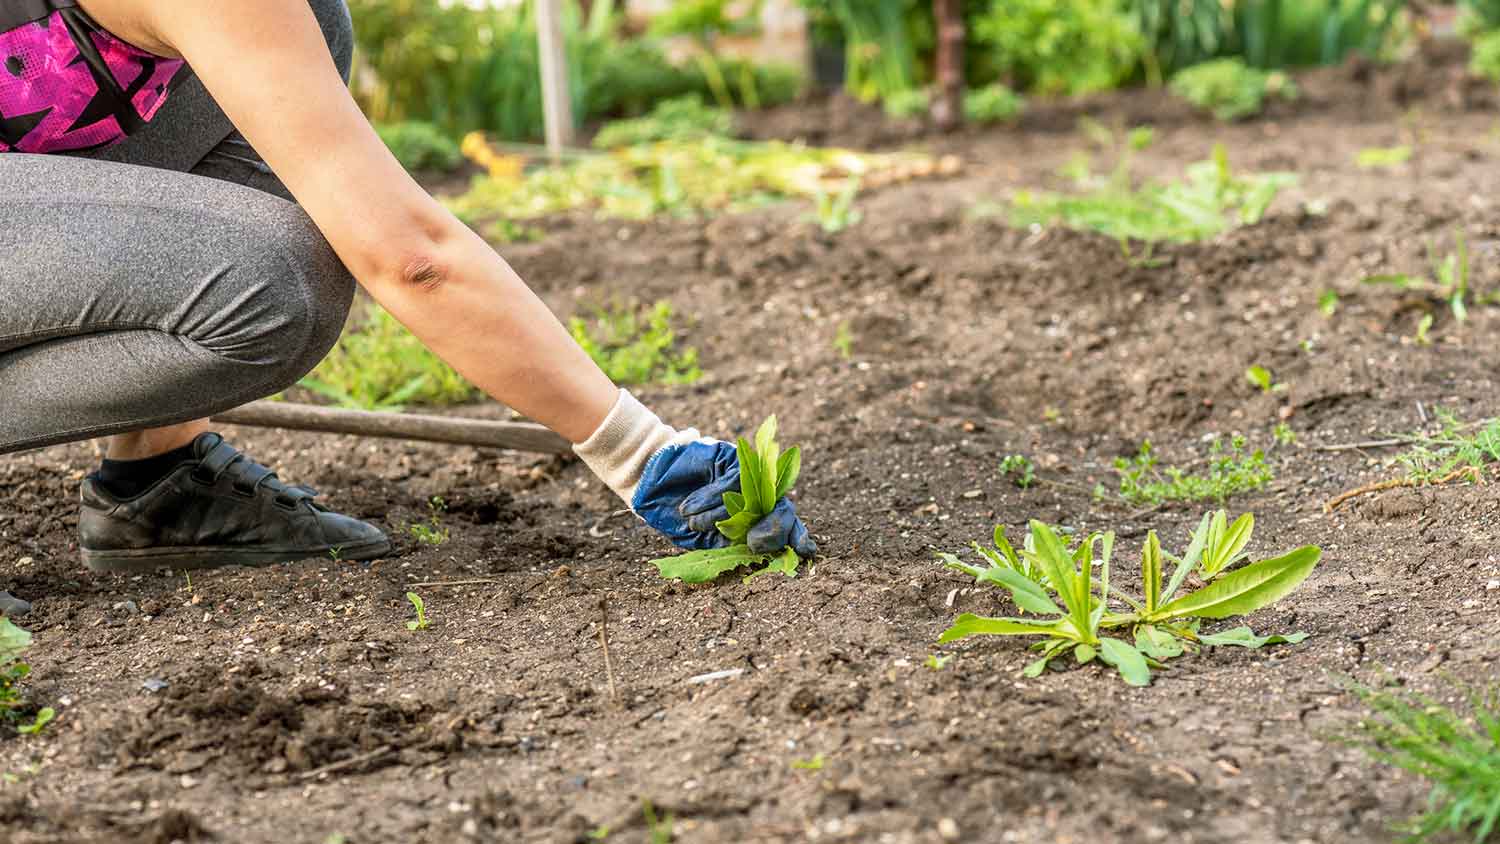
{"type": "Point", "coordinates": [1164, 625]}
{"type": "Point", "coordinates": [1019, 469]}
{"type": "Point", "coordinates": [684, 118]}
{"type": "Point", "coordinates": [1457, 753]}
{"type": "Point", "coordinates": [835, 211]}
{"type": "Point", "coordinates": [1283, 434]}
{"type": "Point", "coordinates": [13, 706]}
{"type": "Point", "coordinates": [992, 104]}
{"type": "Point", "coordinates": [1058, 46]}
{"type": "Point", "coordinates": [1454, 447]}
{"type": "Point", "coordinates": [843, 341]}
{"type": "Point", "coordinates": [421, 146]}
{"type": "Point", "coordinates": [904, 105]}
{"type": "Point", "coordinates": [1231, 471]}
{"type": "Point", "coordinates": [1424, 325]}
{"type": "Point", "coordinates": [660, 830]}
{"type": "Point", "coordinates": [433, 531]}
{"type": "Point", "coordinates": [1449, 282]}
{"type": "Point", "coordinates": [420, 623]}
{"type": "Point", "coordinates": [766, 476]}
{"type": "Point", "coordinates": [336, 553]}
{"type": "Point", "coordinates": [1484, 58]}
{"type": "Point", "coordinates": [1260, 378]}
{"type": "Point", "coordinates": [938, 663]}
{"type": "Point", "coordinates": [1209, 201]}
{"type": "Point", "coordinates": [1380, 158]}
{"type": "Point", "coordinates": [1328, 303]}
{"type": "Point", "coordinates": [379, 365]}
{"type": "Point", "coordinates": [599, 833]}
{"type": "Point", "coordinates": [635, 350]}
{"type": "Point", "coordinates": [813, 764]}
{"type": "Point", "coordinates": [1230, 88]}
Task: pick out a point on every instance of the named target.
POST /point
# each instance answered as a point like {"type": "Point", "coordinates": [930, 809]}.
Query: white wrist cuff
{"type": "Point", "coordinates": [619, 450]}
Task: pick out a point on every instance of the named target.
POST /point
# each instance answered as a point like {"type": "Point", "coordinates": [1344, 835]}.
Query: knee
{"type": "Point", "coordinates": [338, 31]}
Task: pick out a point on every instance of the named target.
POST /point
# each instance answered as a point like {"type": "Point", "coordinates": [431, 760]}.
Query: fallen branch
{"type": "Point", "coordinates": [521, 436]}
{"type": "Point", "coordinates": [1470, 473]}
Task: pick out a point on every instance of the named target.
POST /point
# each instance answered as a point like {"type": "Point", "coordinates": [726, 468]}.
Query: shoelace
{"type": "Point", "coordinates": [247, 477]}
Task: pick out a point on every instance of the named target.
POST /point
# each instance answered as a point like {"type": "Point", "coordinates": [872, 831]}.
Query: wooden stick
{"type": "Point", "coordinates": [347, 763]}
{"type": "Point", "coordinates": [557, 100]}
{"type": "Point", "coordinates": [609, 668]}
{"type": "Point", "coordinates": [1470, 473]}
{"type": "Point", "coordinates": [1364, 445]}
{"type": "Point", "coordinates": [521, 436]}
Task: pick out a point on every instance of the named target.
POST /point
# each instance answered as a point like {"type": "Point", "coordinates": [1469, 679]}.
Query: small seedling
{"type": "Point", "coordinates": [835, 211]}
{"type": "Point", "coordinates": [1424, 325]}
{"type": "Point", "coordinates": [420, 623]}
{"type": "Point", "coordinates": [938, 663]}
{"type": "Point", "coordinates": [1457, 753]}
{"type": "Point", "coordinates": [1380, 158]}
{"type": "Point", "coordinates": [1231, 471]}
{"type": "Point", "coordinates": [1260, 378]}
{"type": "Point", "coordinates": [13, 641]}
{"type": "Point", "coordinates": [660, 830]}
{"type": "Point", "coordinates": [843, 341]}
{"type": "Point", "coordinates": [1328, 303]}
{"type": "Point", "coordinates": [1449, 282]}
{"type": "Point", "coordinates": [599, 833]}
{"type": "Point", "coordinates": [1163, 624]}
{"type": "Point", "coordinates": [813, 764]}
{"type": "Point", "coordinates": [1019, 469]}
{"type": "Point", "coordinates": [433, 531]}
{"type": "Point", "coordinates": [336, 553]}
{"type": "Point", "coordinates": [767, 474]}
{"type": "Point", "coordinates": [1283, 434]}
{"type": "Point", "coordinates": [1457, 446]}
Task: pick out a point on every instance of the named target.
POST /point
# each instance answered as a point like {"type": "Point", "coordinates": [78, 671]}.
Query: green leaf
{"type": "Point", "coordinates": [969, 624]}
{"type": "Point", "coordinates": [704, 566]}
{"type": "Point", "coordinates": [734, 502]}
{"type": "Point", "coordinates": [787, 470]}
{"type": "Point", "coordinates": [1228, 544]}
{"type": "Point", "coordinates": [1400, 280]}
{"type": "Point", "coordinates": [1248, 589]}
{"type": "Point", "coordinates": [1244, 637]}
{"type": "Point", "coordinates": [1004, 547]}
{"type": "Point", "coordinates": [1156, 643]}
{"type": "Point", "coordinates": [1127, 660]}
{"type": "Point", "coordinates": [1151, 571]}
{"type": "Point", "coordinates": [738, 526]}
{"type": "Point", "coordinates": [13, 640]}
{"type": "Point", "coordinates": [750, 484]}
{"type": "Point", "coordinates": [1084, 654]}
{"type": "Point", "coordinates": [44, 717]}
{"type": "Point", "coordinates": [1026, 593]}
{"type": "Point", "coordinates": [765, 438]}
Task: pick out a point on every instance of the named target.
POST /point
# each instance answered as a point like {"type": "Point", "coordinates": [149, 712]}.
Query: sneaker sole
{"type": "Point", "coordinates": [145, 560]}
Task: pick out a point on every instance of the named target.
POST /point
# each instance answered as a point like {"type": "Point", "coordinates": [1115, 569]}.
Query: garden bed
{"type": "Point", "coordinates": [297, 705]}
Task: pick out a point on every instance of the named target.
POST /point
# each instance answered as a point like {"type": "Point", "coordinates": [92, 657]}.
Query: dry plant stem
{"type": "Point", "coordinates": [1363, 445]}
{"type": "Point", "coordinates": [609, 668]}
{"type": "Point", "coordinates": [1470, 473]}
{"type": "Point", "coordinates": [347, 763]}
{"type": "Point", "coordinates": [475, 582]}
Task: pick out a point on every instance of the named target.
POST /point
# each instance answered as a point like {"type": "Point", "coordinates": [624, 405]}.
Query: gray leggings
{"type": "Point", "coordinates": [161, 280]}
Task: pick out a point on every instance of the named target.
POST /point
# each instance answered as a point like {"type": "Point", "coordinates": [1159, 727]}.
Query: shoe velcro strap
{"type": "Point", "coordinates": [290, 497]}
{"type": "Point", "coordinates": [217, 460]}
{"type": "Point", "coordinates": [248, 475]}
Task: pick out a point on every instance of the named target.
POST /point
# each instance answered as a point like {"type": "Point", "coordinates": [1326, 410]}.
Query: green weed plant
{"type": "Point", "coordinates": [1450, 281]}
{"type": "Point", "coordinates": [636, 348]}
{"type": "Point", "coordinates": [679, 119]}
{"type": "Point", "coordinates": [1230, 89]}
{"type": "Point", "coordinates": [14, 709]}
{"type": "Point", "coordinates": [379, 365]}
{"type": "Point", "coordinates": [993, 103]}
{"type": "Point", "coordinates": [421, 146]}
{"type": "Point", "coordinates": [1066, 596]}
{"type": "Point", "coordinates": [1232, 470]}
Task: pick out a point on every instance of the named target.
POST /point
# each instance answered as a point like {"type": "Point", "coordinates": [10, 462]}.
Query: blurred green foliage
{"type": "Point", "coordinates": [379, 365]}
{"type": "Point", "coordinates": [466, 69]}
{"type": "Point", "coordinates": [421, 146]}
{"type": "Point", "coordinates": [1231, 89]}
{"type": "Point", "coordinates": [1060, 46]}
{"type": "Point", "coordinates": [682, 118]}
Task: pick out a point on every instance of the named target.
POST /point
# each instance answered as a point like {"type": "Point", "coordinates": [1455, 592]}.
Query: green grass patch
{"type": "Point", "coordinates": [679, 119]}
{"type": "Point", "coordinates": [1231, 89]}
{"type": "Point", "coordinates": [1208, 201]}
{"type": "Point", "coordinates": [15, 711]}
{"type": "Point", "coordinates": [421, 146]}
{"type": "Point", "coordinates": [378, 365]}
{"type": "Point", "coordinates": [1454, 447]}
{"type": "Point", "coordinates": [1232, 470]}
{"type": "Point", "coordinates": [636, 346]}
{"type": "Point", "coordinates": [1455, 750]}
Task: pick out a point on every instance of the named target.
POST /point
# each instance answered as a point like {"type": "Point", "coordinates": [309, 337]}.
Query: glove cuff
{"type": "Point", "coordinates": [625, 442]}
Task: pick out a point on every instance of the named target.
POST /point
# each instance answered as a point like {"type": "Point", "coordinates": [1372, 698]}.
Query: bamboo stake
{"type": "Point", "coordinates": [521, 436]}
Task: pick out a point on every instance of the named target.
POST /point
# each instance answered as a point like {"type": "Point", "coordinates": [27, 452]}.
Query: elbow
{"type": "Point", "coordinates": [422, 272]}
{"type": "Point", "coordinates": [417, 260]}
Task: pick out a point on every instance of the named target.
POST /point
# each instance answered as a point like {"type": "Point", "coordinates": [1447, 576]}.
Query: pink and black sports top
{"type": "Point", "coordinates": [67, 85]}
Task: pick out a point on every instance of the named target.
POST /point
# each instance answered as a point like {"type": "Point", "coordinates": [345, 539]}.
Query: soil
{"type": "Point", "coordinates": [292, 704]}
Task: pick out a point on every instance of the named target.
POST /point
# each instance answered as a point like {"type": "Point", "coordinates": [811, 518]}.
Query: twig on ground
{"type": "Point", "coordinates": [609, 668]}
{"type": "Point", "coordinates": [1364, 445]}
{"type": "Point", "coordinates": [474, 582]}
{"type": "Point", "coordinates": [1468, 472]}
{"type": "Point", "coordinates": [347, 763]}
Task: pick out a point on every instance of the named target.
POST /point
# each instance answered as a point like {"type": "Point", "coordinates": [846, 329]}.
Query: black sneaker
{"type": "Point", "coordinates": [219, 509]}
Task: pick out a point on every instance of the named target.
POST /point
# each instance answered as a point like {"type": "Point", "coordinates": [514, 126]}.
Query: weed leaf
{"type": "Point", "coordinates": [787, 470]}
{"type": "Point", "coordinates": [969, 624]}
{"type": "Point", "coordinates": [707, 565]}
{"type": "Point", "coordinates": [734, 502]}
{"type": "Point", "coordinates": [1248, 589]}
{"type": "Point", "coordinates": [1026, 593]}
{"type": "Point", "coordinates": [1244, 637]}
{"type": "Point", "coordinates": [1127, 660]}
{"type": "Point", "coordinates": [1156, 643]}
{"type": "Point", "coordinates": [750, 485]}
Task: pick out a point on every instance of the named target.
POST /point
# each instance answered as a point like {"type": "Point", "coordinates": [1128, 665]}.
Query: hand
{"type": "Point", "coordinates": [681, 494]}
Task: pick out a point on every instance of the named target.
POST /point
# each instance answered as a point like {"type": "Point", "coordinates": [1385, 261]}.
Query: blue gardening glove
{"type": "Point", "coordinates": [675, 481]}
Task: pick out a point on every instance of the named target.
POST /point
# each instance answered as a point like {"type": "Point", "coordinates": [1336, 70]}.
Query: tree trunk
{"type": "Point", "coordinates": [948, 105]}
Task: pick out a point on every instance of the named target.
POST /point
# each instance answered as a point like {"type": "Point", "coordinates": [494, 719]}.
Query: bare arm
{"type": "Point", "coordinates": [268, 67]}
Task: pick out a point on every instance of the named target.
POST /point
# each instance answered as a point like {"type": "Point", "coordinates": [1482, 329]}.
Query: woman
{"type": "Point", "coordinates": [190, 194]}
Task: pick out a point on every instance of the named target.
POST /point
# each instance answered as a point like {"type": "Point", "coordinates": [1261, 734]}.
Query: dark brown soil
{"type": "Point", "coordinates": [292, 704]}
